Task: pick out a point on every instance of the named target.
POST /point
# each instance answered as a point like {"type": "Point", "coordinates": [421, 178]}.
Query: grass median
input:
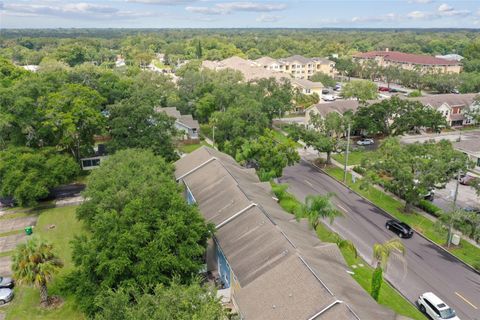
{"type": "Point", "coordinates": [464, 251]}
{"type": "Point", "coordinates": [354, 157]}
{"type": "Point", "coordinates": [389, 297]}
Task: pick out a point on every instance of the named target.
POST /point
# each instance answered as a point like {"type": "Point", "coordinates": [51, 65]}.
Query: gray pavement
{"type": "Point", "coordinates": [9, 243]}
{"type": "Point", "coordinates": [7, 225]}
{"type": "Point", "coordinates": [452, 136]}
{"type": "Point", "coordinates": [5, 266]}
{"type": "Point", "coordinates": [425, 267]}
{"type": "Point", "coordinates": [467, 197]}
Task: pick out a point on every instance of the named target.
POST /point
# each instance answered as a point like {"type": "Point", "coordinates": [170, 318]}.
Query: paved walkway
{"type": "Point", "coordinates": [7, 225]}
{"type": "Point", "coordinates": [9, 243]}
{"type": "Point", "coordinates": [5, 266]}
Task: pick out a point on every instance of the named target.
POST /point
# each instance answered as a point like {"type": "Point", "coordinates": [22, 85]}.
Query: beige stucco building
{"type": "Point", "coordinates": [298, 66]}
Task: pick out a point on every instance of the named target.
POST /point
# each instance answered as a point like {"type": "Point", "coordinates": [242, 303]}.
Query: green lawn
{"type": "Point", "coordinates": [26, 302]}
{"type": "Point", "coordinates": [187, 148]}
{"type": "Point", "coordinates": [354, 158]}
{"type": "Point", "coordinates": [465, 251]}
{"type": "Point", "coordinates": [389, 297]}
{"type": "Point", "coordinates": [280, 137]}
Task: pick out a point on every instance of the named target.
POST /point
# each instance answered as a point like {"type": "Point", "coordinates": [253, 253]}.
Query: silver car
{"type": "Point", "coordinates": [6, 282]}
{"type": "Point", "coordinates": [6, 295]}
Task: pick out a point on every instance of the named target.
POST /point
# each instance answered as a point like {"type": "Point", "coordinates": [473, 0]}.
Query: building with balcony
{"type": "Point", "coordinates": [299, 67]}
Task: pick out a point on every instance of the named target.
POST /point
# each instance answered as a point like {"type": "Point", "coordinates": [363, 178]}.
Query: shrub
{"type": "Point", "coordinates": [359, 170]}
{"type": "Point", "coordinates": [415, 93]}
{"type": "Point", "coordinates": [430, 208]}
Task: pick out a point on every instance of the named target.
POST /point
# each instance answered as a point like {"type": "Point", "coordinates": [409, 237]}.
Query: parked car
{"type": "Point", "coordinates": [337, 87]}
{"type": "Point", "coordinates": [429, 195]}
{"type": "Point", "coordinates": [383, 89]}
{"type": "Point", "coordinates": [455, 91]}
{"type": "Point", "coordinates": [393, 90]}
{"type": "Point", "coordinates": [6, 295]}
{"type": "Point", "coordinates": [467, 180]}
{"type": "Point", "coordinates": [328, 97]}
{"type": "Point", "coordinates": [365, 142]}
{"type": "Point", "coordinates": [6, 282]}
{"type": "Point", "coordinates": [325, 91]}
{"type": "Point", "coordinates": [403, 230]}
{"type": "Point", "coordinates": [434, 307]}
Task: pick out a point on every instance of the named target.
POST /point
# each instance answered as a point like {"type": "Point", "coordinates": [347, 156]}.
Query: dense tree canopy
{"type": "Point", "coordinates": [27, 174]}
{"type": "Point", "coordinates": [142, 231]}
{"type": "Point", "coordinates": [411, 170]}
{"type": "Point", "coordinates": [176, 302]}
{"type": "Point", "coordinates": [396, 116]}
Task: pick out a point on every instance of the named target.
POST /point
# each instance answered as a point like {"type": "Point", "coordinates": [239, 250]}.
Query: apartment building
{"type": "Point", "coordinates": [298, 66]}
{"type": "Point", "coordinates": [408, 61]}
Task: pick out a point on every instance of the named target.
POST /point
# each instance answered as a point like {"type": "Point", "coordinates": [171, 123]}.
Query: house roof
{"type": "Point", "coordinates": [284, 271]}
{"type": "Point", "coordinates": [396, 56]}
{"type": "Point", "coordinates": [184, 120]}
{"type": "Point", "coordinates": [297, 58]}
{"type": "Point", "coordinates": [323, 60]}
{"type": "Point", "coordinates": [250, 70]}
{"type": "Point", "coordinates": [263, 61]}
{"type": "Point", "coordinates": [307, 84]}
{"type": "Point", "coordinates": [435, 101]}
{"type": "Point", "coordinates": [340, 106]}
{"type": "Point", "coordinates": [453, 100]}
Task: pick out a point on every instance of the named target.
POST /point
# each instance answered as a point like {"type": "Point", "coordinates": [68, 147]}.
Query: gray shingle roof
{"type": "Point", "coordinates": [283, 269]}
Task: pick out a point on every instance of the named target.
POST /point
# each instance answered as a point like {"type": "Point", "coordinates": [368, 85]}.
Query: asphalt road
{"type": "Point", "coordinates": [425, 266]}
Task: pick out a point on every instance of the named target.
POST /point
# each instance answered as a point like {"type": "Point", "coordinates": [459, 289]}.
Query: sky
{"type": "Point", "coordinates": [239, 14]}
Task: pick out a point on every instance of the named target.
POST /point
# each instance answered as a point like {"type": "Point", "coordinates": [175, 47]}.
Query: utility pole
{"type": "Point", "coordinates": [346, 155]}
{"type": "Point", "coordinates": [454, 208]}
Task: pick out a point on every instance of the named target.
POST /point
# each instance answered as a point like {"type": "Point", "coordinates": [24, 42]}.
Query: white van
{"type": "Point", "coordinates": [433, 306]}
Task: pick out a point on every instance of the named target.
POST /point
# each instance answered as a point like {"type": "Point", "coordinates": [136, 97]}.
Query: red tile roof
{"type": "Point", "coordinates": [396, 56]}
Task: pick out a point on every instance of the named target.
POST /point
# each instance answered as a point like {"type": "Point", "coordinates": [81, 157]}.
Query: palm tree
{"type": "Point", "coordinates": [317, 208]}
{"type": "Point", "coordinates": [345, 244]}
{"type": "Point", "coordinates": [382, 251]}
{"type": "Point", "coordinates": [34, 263]}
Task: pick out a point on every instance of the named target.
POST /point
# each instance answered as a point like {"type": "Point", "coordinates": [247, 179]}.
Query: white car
{"type": "Point", "coordinates": [328, 97]}
{"type": "Point", "coordinates": [365, 142]}
{"type": "Point", "coordinates": [6, 295]}
{"type": "Point", "coordinates": [434, 307]}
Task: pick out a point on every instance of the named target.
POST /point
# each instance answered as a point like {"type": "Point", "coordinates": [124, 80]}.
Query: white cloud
{"type": "Point", "coordinates": [268, 18]}
{"type": "Point", "coordinates": [420, 1]}
{"type": "Point", "coordinates": [80, 10]}
{"type": "Point", "coordinates": [445, 8]}
{"type": "Point", "coordinates": [229, 7]}
{"type": "Point", "coordinates": [164, 2]}
{"type": "Point", "coordinates": [418, 15]}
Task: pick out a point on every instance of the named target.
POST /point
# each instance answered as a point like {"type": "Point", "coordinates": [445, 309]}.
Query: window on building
{"type": "Point", "coordinates": [190, 197]}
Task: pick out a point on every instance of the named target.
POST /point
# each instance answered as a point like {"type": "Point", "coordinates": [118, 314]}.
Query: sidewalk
{"type": "Point", "coordinates": [309, 154]}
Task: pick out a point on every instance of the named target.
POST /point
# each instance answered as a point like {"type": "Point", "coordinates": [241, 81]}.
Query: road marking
{"type": "Point", "coordinates": [464, 299]}
{"type": "Point", "coordinates": [342, 208]}
{"type": "Point", "coordinates": [307, 182]}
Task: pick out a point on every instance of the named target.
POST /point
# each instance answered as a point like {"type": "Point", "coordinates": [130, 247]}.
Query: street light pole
{"type": "Point", "coordinates": [346, 156]}
{"type": "Point", "coordinates": [213, 137]}
{"type": "Point", "coordinates": [454, 207]}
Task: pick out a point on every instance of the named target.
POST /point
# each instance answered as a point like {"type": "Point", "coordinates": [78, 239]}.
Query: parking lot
{"type": "Point", "coordinates": [466, 197]}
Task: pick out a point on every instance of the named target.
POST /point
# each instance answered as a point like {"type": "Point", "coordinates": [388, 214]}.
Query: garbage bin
{"type": "Point", "coordinates": [28, 230]}
{"type": "Point", "coordinates": [455, 239]}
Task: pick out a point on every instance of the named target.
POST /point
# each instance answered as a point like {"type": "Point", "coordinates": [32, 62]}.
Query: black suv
{"type": "Point", "coordinates": [403, 230]}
